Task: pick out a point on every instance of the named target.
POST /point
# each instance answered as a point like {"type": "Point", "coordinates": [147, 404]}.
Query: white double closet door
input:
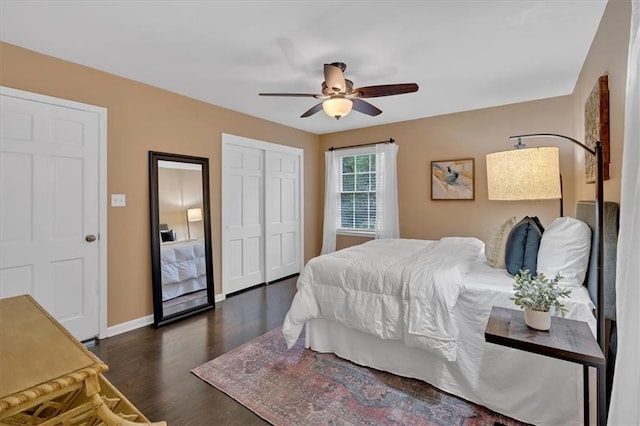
{"type": "Point", "coordinates": [262, 236]}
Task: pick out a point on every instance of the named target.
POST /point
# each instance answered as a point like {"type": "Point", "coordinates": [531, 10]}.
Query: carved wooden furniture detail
{"type": "Point", "coordinates": [49, 378]}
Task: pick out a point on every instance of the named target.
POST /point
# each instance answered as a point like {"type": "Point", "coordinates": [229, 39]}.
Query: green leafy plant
{"type": "Point", "coordinates": [538, 293]}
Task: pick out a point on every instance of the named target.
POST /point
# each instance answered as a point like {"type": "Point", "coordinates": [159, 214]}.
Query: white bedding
{"type": "Point", "coordinates": [183, 267]}
{"type": "Point", "coordinates": [529, 387]}
{"type": "Point", "coordinates": [394, 289]}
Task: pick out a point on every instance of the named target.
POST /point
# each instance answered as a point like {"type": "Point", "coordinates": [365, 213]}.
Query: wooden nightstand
{"type": "Point", "coordinates": [568, 340]}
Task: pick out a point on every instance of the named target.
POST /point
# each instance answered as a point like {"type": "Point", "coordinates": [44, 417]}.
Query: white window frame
{"type": "Point", "coordinates": [350, 152]}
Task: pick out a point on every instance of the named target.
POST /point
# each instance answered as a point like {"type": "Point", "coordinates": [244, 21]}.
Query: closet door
{"type": "Point", "coordinates": [242, 206]}
{"type": "Point", "coordinates": [262, 212]}
{"type": "Point", "coordinates": [282, 214]}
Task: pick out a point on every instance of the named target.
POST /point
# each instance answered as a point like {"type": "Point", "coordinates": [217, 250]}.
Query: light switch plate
{"type": "Point", "coordinates": [118, 200]}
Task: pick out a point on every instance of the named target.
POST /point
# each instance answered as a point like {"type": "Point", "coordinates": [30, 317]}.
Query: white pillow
{"type": "Point", "coordinates": [494, 249]}
{"type": "Point", "coordinates": [565, 248]}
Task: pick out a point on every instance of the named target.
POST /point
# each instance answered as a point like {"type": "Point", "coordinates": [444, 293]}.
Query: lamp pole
{"type": "Point", "coordinates": [599, 201]}
{"type": "Point", "coordinates": [188, 226]}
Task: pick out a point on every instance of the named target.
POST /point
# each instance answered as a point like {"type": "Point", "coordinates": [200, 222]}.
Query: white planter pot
{"type": "Point", "coordinates": [537, 320]}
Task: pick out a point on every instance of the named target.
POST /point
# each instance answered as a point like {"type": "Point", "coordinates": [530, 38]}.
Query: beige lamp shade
{"type": "Point", "coordinates": [194, 215]}
{"type": "Point", "coordinates": [524, 174]}
{"type": "Point", "coordinates": [337, 107]}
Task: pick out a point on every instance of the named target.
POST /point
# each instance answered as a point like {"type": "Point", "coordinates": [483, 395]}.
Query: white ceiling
{"type": "Point", "coordinates": [464, 55]}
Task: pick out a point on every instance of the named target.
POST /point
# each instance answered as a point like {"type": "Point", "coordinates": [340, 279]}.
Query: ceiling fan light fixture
{"type": "Point", "coordinates": [339, 97]}
{"type": "Point", "coordinates": [337, 107]}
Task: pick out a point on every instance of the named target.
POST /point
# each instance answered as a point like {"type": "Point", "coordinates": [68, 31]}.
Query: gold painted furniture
{"type": "Point", "coordinates": [49, 378]}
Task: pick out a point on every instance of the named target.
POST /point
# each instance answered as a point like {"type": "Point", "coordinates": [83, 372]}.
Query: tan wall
{"type": "Point", "coordinates": [608, 56]}
{"type": "Point", "coordinates": [143, 118]}
{"type": "Point", "coordinates": [470, 134]}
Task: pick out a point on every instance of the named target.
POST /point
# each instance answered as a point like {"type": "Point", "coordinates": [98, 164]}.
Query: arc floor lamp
{"type": "Point", "coordinates": [540, 169]}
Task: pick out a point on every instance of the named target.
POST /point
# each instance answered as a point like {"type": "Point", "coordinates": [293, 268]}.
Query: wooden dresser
{"type": "Point", "coordinates": [49, 378]}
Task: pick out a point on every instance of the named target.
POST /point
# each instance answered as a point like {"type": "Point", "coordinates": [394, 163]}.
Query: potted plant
{"type": "Point", "coordinates": [537, 295]}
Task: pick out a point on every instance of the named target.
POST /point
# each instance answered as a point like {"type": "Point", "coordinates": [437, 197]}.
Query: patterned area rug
{"type": "Point", "coordinates": [302, 387]}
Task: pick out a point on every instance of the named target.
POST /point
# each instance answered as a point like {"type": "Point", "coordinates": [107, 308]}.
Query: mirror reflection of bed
{"type": "Point", "coordinates": [181, 275]}
{"type": "Point", "coordinates": [182, 254]}
{"type": "Point", "coordinates": [184, 278]}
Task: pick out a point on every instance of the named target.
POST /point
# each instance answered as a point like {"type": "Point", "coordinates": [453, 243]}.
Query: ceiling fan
{"type": "Point", "coordinates": [339, 97]}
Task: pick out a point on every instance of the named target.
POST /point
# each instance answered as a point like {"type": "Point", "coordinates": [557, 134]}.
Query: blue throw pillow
{"type": "Point", "coordinates": [523, 242]}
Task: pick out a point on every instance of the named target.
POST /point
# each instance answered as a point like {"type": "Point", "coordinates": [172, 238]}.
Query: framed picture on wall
{"type": "Point", "coordinates": [453, 179]}
{"type": "Point", "coordinates": [596, 128]}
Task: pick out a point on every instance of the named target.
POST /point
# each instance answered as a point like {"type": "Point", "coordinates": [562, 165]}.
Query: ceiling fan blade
{"type": "Point", "coordinates": [334, 78]}
{"type": "Point", "coordinates": [365, 107]}
{"type": "Point", "coordinates": [385, 90]}
{"type": "Point", "coordinates": [312, 110]}
{"type": "Point", "coordinates": [298, 95]}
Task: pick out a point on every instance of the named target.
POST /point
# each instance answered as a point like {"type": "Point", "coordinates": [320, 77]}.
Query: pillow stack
{"type": "Point", "coordinates": [564, 248]}
{"type": "Point", "coordinates": [494, 250]}
{"type": "Point", "coordinates": [523, 242]}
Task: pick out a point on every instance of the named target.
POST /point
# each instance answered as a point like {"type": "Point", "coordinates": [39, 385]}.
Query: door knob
{"type": "Point", "coordinates": [90, 238]}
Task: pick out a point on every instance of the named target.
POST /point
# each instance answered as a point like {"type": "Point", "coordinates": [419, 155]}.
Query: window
{"type": "Point", "coordinates": [361, 193]}
{"type": "Point", "coordinates": [357, 188]}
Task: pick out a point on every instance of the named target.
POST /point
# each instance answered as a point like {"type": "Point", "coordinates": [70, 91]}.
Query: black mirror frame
{"type": "Point", "coordinates": [158, 316]}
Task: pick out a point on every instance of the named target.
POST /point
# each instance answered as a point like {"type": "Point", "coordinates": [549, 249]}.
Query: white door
{"type": "Point", "coordinates": [262, 212]}
{"type": "Point", "coordinates": [282, 214]}
{"type": "Point", "coordinates": [49, 210]}
{"type": "Point", "coordinates": [242, 201]}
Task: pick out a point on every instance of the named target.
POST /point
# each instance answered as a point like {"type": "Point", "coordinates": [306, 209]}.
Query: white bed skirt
{"type": "Point", "coordinates": [528, 387]}
{"type": "Point", "coordinates": [171, 291]}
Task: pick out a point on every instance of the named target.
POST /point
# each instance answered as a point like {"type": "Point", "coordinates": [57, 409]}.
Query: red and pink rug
{"type": "Point", "coordinates": [302, 387]}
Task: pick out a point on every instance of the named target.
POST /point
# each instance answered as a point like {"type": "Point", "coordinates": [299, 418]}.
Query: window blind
{"type": "Point", "coordinates": [358, 191]}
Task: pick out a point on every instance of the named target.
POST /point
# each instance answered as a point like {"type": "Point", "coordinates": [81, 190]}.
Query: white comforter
{"type": "Point", "coordinates": [391, 288]}
{"type": "Point", "coordinates": [182, 260]}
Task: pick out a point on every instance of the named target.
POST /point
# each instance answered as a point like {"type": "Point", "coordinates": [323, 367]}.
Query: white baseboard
{"type": "Point", "coordinates": [141, 322]}
{"type": "Point", "coordinates": [129, 325]}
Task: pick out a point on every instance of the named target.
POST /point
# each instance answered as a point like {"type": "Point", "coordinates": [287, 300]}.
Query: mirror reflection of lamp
{"type": "Point", "coordinates": [193, 215]}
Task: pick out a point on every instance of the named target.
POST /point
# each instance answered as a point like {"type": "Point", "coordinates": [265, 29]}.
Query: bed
{"type": "Point", "coordinates": [183, 268]}
{"type": "Point", "coordinates": [449, 350]}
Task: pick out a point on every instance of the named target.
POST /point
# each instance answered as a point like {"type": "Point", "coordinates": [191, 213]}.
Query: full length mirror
{"type": "Point", "coordinates": [181, 253]}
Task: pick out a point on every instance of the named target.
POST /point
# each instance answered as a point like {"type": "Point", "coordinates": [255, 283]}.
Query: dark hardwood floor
{"type": "Point", "coordinates": [151, 367]}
